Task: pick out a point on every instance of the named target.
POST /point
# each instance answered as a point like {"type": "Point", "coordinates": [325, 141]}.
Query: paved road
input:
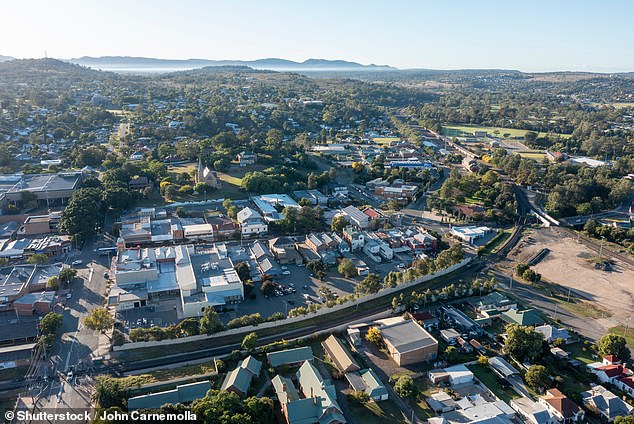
{"type": "Point", "coordinates": [77, 343]}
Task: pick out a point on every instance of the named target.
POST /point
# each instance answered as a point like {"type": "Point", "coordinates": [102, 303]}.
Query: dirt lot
{"type": "Point", "coordinates": [571, 264]}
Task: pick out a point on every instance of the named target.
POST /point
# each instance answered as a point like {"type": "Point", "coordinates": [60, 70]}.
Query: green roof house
{"type": "Point", "coordinates": [184, 393]}
{"type": "Point", "coordinates": [239, 380]}
{"type": "Point", "coordinates": [290, 356]}
{"type": "Point", "coordinates": [524, 318]}
{"type": "Point", "coordinates": [367, 381]}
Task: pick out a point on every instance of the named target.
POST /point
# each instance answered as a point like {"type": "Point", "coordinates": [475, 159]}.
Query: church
{"type": "Point", "coordinates": [207, 176]}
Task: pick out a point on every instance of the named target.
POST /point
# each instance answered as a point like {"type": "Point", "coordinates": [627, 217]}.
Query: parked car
{"type": "Point", "coordinates": [286, 272]}
{"type": "Point", "coordinates": [69, 296]}
{"type": "Point", "coordinates": [77, 262]}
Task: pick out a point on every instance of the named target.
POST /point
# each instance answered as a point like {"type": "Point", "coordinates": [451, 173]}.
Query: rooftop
{"type": "Point", "coordinates": [407, 335]}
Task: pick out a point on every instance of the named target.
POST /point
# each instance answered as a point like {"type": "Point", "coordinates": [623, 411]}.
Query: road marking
{"type": "Point", "coordinates": [71, 347]}
{"type": "Point", "coordinates": [92, 271]}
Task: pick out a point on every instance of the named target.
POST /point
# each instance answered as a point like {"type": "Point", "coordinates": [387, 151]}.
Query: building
{"type": "Point", "coordinates": [204, 175]}
{"type": "Point", "coordinates": [604, 402]}
{"type": "Point", "coordinates": [223, 228]}
{"type": "Point", "coordinates": [201, 278]}
{"type": "Point", "coordinates": [449, 335]}
{"type": "Point", "coordinates": [460, 320]}
{"type": "Point", "coordinates": [283, 249]}
{"type": "Point", "coordinates": [268, 205]}
{"type": "Point", "coordinates": [356, 217]}
{"type": "Point", "coordinates": [552, 333]}
{"type": "Point", "coordinates": [527, 317]}
{"type": "Point", "coordinates": [354, 237]}
{"type": "Point", "coordinates": [184, 393]}
{"type": "Point", "coordinates": [251, 222]}
{"type": "Point", "coordinates": [40, 224]}
{"type": "Point", "coordinates": [409, 343]}
{"type": "Point", "coordinates": [533, 412]}
{"type": "Point", "coordinates": [49, 189]}
{"type": "Point", "coordinates": [34, 303]}
{"type": "Point", "coordinates": [470, 233]}
{"type": "Point", "coordinates": [367, 381]}
{"type": "Point", "coordinates": [315, 197]}
{"type": "Point", "coordinates": [400, 191]}
{"type": "Point", "coordinates": [339, 355]}
{"type": "Point", "coordinates": [247, 158]}
{"type": "Point", "coordinates": [290, 357]}
{"type": "Point", "coordinates": [502, 367]}
{"type": "Point", "coordinates": [139, 183]}
{"type": "Point", "coordinates": [561, 406]}
{"type": "Point", "coordinates": [456, 375]}
{"type": "Point", "coordinates": [239, 380]}
{"type": "Point", "coordinates": [314, 402]}
{"type": "Point", "coordinates": [612, 371]}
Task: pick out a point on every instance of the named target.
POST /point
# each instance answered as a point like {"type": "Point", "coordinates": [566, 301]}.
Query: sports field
{"type": "Point", "coordinates": [463, 130]}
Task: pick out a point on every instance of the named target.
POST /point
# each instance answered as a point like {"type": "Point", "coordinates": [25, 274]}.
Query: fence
{"type": "Point", "coordinates": [322, 311]}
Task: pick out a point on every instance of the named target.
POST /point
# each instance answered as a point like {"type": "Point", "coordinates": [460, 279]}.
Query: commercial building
{"type": "Point", "coordinates": [356, 217]}
{"type": "Point", "coordinates": [409, 343]}
{"type": "Point", "coordinates": [315, 197]}
{"type": "Point", "coordinates": [251, 222]}
{"type": "Point", "coordinates": [184, 393]}
{"type": "Point", "coordinates": [470, 233]}
{"type": "Point", "coordinates": [49, 189]}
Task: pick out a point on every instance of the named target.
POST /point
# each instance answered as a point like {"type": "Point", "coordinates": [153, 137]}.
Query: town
{"type": "Point", "coordinates": [232, 243]}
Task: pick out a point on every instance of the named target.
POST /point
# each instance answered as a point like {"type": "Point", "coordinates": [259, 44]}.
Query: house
{"type": "Point", "coordinates": [459, 374]}
{"type": "Point", "coordinates": [441, 402]}
{"type": "Point", "coordinates": [533, 412]}
{"type": "Point", "coordinates": [355, 238]}
{"type": "Point", "coordinates": [251, 222]}
{"type": "Point", "coordinates": [449, 335]}
{"type": "Point", "coordinates": [139, 183]}
{"type": "Point", "coordinates": [561, 406]}
{"type": "Point", "coordinates": [527, 317]}
{"type": "Point", "coordinates": [426, 319]}
{"type": "Point", "coordinates": [612, 371]}
{"type": "Point", "coordinates": [409, 343]}
{"type": "Point", "coordinates": [290, 357]}
{"type": "Point", "coordinates": [184, 393]}
{"type": "Point", "coordinates": [34, 303]}
{"type": "Point", "coordinates": [494, 300]}
{"type": "Point", "coordinates": [339, 355]}
{"type": "Point", "coordinates": [502, 367]}
{"type": "Point", "coordinates": [460, 320]}
{"type": "Point", "coordinates": [283, 248]}
{"type": "Point", "coordinates": [604, 402]}
{"type": "Point", "coordinates": [238, 381]}
{"type": "Point", "coordinates": [356, 217]}
{"type": "Point", "coordinates": [552, 333]}
{"type": "Point", "coordinates": [247, 158]}
{"type": "Point", "coordinates": [367, 381]}
{"type": "Point", "coordinates": [223, 228]}
{"type": "Point", "coordinates": [314, 197]}
{"type": "Point", "coordinates": [317, 402]}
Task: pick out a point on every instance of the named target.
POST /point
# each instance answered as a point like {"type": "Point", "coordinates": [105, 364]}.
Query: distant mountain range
{"type": "Point", "coordinates": [123, 63]}
{"type": "Point", "coordinates": [5, 58]}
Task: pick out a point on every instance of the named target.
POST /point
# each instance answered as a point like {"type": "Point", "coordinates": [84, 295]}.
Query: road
{"type": "Point", "coordinates": [77, 343]}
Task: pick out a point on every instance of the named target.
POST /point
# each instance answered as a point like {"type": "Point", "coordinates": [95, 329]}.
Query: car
{"type": "Point", "coordinates": [69, 296]}
{"type": "Point", "coordinates": [106, 275]}
{"type": "Point", "coordinates": [306, 296]}
{"type": "Point", "coordinates": [305, 287]}
{"type": "Point", "coordinates": [284, 267]}
{"type": "Point", "coordinates": [286, 273]}
{"type": "Point", "coordinates": [77, 262]}
{"type": "Point", "coordinates": [400, 266]}
{"type": "Point", "coordinates": [70, 374]}
{"type": "Point", "coordinates": [291, 285]}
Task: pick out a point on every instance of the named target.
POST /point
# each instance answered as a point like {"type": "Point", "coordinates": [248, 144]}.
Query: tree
{"type": "Point", "coordinates": [405, 387]}
{"type": "Point", "coordinates": [50, 323]}
{"type": "Point", "coordinates": [359, 396]}
{"type": "Point", "coordinates": [67, 274]}
{"type": "Point", "coordinates": [210, 322]}
{"type": "Point", "coordinates": [250, 341]}
{"type": "Point", "coordinates": [109, 392]}
{"type": "Point", "coordinates": [189, 327]}
{"type": "Point", "coordinates": [259, 409]}
{"type": "Point", "coordinates": [267, 287]}
{"type": "Point", "coordinates": [537, 377]}
{"type": "Point", "coordinates": [452, 354]}
{"type": "Point", "coordinates": [374, 336]}
{"type": "Point", "coordinates": [483, 360]}
{"type": "Point", "coordinates": [523, 342]}
{"type": "Point", "coordinates": [347, 268]}
{"type": "Point", "coordinates": [370, 284]}
{"type": "Point", "coordinates": [339, 223]}
{"type": "Point", "coordinates": [53, 283]}
{"type": "Point", "coordinates": [37, 259]}
{"type": "Point", "coordinates": [624, 420]}
{"type": "Point", "coordinates": [613, 344]}
{"type": "Point", "coordinates": [99, 319]}
{"type": "Point", "coordinates": [243, 271]}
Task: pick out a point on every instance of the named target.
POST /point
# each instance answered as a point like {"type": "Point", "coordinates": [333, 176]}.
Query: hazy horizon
{"type": "Point", "coordinates": [534, 37]}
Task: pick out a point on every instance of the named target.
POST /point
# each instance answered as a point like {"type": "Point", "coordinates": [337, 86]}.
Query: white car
{"type": "Point", "coordinates": [286, 273]}
{"type": "Point", "coordinates": [284, 267]}
{"type": "Point", "coordinates": [69, 296]}
{"type": "Point", "coordinates": [77, 262]}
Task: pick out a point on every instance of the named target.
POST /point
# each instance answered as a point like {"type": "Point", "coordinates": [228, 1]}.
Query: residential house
{"type": "Point", "coordinates": [247, 158]}
{"type": "Point", "coordinates": [527, 317]}
{"type": "Point", "coordinates": [354, 237]}
{"type": "Point", "coordinates": [561, 406]}
{"type": "Point", "coordinates": [184, 393]}
{"type": "Point", "coordinates": [427, 320]}
{"type": "Point", "coordinates": [339, 355]}
{"type": "Point", "coordinates": [604, 402]}
{"type": "Point", "coordinates": [290, 357]}
{"type": "Point", "coordinates": [533, 412]}
{"type": "Point", "coordinates": [251, 222]}
{"type": "Point", "coordinates": [367, 381]}
{"type": "Point", "coordinates": [552, 333]}
{"type": "Point", "coordinates": [239, 380]}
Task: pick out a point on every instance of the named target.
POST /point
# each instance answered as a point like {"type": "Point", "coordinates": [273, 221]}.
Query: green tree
{"type": "Point", "coordinates": [67, 274]}
{"type": "Point", "coordinates": [370, 284]}
{"type": "Point", "coordinates": [37, 259]}
{"type": "Point", "coordinates": [339, 223]}
{"type": "Point", "coordinates": [374, 336]}
{"type": "Point", "coordinates": [50, 323]}
{"type": "Point", "coordinates": [347, 268]}
{"type": "Point", "coordinates": [613, 344]}
{"type": "Point", "coordinates": [523, 342]}
{"type": "Point", "coordinates": [243, 271]}
{"type": "Point", "coordinates": [109, 392]}
{"type": "Point", "coordinates": [537, 377]}
{"type": "Point", "coordinates": [452, 355]}
{"type": "Point", "coordinates": [189, 327]}
{"type": "Point", "coordinates": [250, 341]}
{"type": "Point", "coordinates": [483, 360]}
{"type": "Point", "coordinates": [405, 387]}
{"type": "Point", "coordinates": [82, 214]}
{"type": "Point", "coordinates": [99, 319]}
{"type": "Point", "coordinates": [210, 322]}
{"type": "Point", "coordinates": [624, 420]}
{"type": "Point", "coordinates": [53, 283]}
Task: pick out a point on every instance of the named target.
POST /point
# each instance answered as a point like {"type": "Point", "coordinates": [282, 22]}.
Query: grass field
{"type": "Point", "coordinates": [376, 413]}
{"type": "Point", "coordinates": [617, 105]}
{"type": "Point", "coordinates": [462, 130]}
{"type": "Point", "coordinates": [385, 140]}
{"type": "Point", "coordinates": [535, 155]}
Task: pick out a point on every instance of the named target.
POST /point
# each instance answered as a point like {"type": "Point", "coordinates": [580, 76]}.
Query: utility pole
{"type": "Point", "coordinates": [569, 288]}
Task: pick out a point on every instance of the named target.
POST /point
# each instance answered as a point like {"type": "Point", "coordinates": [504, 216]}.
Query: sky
{"type": "Point", "coordinates": [528, 35]}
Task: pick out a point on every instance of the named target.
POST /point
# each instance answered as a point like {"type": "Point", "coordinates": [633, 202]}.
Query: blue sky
{"type": "Point", "coordinates": [526, 35]}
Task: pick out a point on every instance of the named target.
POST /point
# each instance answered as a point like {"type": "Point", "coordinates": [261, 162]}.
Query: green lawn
{"type": "Point", "coordinates": [535, 155]}
{"type": "Point", "coordinates": [577, 352]}
{"type": "Point", "coordinates": [489, 379]}
{"type": "Point", "coordinates": [376, 413]}
{"type": "Point", "coordinates": [385, 140]}
{"type": "Point", "coordinates": [463, 130]}
{"type": "Point", "coordinates": [497, 240]}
